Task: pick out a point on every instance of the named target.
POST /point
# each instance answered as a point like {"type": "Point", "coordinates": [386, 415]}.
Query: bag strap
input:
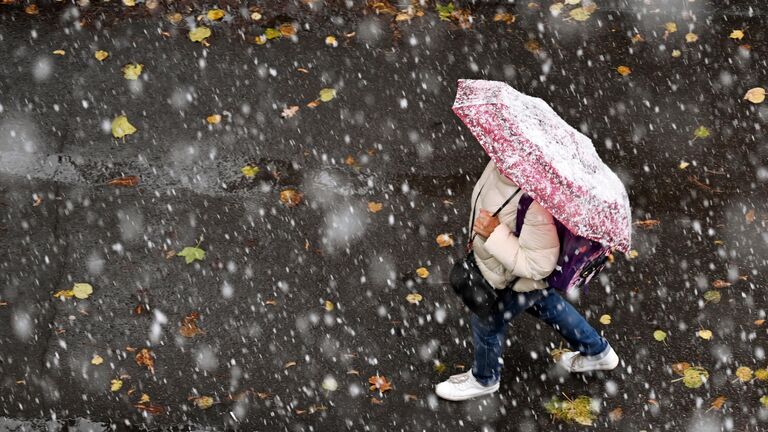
{"type": "Point", "coordinates": [522, 208]}
{"type": "Point", "coordinates": [474, 207]}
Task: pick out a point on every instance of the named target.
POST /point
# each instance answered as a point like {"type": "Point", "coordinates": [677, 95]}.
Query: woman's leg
{"type": "Point", "coordinates": [489, 334]}
{"type": "Point", "coordinates": [563, 317]}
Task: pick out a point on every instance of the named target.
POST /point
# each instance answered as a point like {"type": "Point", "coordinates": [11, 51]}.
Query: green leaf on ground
{"type": "Point", "coordinates": [701, 132]}
{"type": "Point", "coordinates": [444, 10]}
{"type": "Point", "coordinates": [578, 410]}
{"type": "Point", "coordinates": [327, 94]}
{"type": "Point", "coordinates": [192, 253]}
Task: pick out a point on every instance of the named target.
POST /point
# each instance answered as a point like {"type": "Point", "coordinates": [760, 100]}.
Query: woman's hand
{"type": "Point", "coordinates": [485, 223]}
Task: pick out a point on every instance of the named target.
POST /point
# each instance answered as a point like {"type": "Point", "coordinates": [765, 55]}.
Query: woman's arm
{"type": "Point", "coordinates": [533, 255]}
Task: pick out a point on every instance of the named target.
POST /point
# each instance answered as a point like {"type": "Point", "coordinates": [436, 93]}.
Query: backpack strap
{"type": "Point", "coordinates": [522, 208]}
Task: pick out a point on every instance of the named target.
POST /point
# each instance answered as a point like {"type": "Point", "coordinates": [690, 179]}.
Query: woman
{"type": "Point", "coordinates": [523, 262]}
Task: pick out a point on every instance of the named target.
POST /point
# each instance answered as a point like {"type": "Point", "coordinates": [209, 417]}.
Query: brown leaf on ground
{"type": "Point", "coordinates": [506, 17]}
{"type": "Point", "coordinates": [380, 383]}
{"type": "Point", "coordinates": [127, 181]}
{"type": "Point", "coordinates": [287, 29]}
{"type": "Point", "coordinates": [700, 185]}
{"type": "Point", "coordinates": [189, 326]}
{"type": "Point", "coordinates": [616, 415]}
{"type": "Point", "coordinates": [146, 358]}
{"type": "Point", "coordinates": [290, 197]}
{"type": "Point", "coordinates": [750, 216]}
{"type": "Point", "coordinates": [717, 403]}
{"type": "Point", "coordinates": [721, 284]}
{"type": "Point", "coordinates": [648, 223]}
{"type": "Point", "coordinates": [289, 111]}
{"type": "Point", "coordinates": [680, 368]}
{"type": "Point", "coordinates": [150, 408]}
{"type": "Point", "coordinates": [374, 207]}
{"type": "Point", "coordinates": [382, 7]}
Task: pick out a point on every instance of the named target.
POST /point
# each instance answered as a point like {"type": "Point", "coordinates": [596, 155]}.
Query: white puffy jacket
{"type": "Point", "coordinates": [502, 256]}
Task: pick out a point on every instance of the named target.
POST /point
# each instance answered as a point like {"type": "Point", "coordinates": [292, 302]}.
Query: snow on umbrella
{"type": "Point", "coordinates": [556, 164]}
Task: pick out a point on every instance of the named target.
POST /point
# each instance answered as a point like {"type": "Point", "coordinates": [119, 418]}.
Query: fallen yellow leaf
{"type": "Point", "coordinates": [82, 290]}
{"type": "Point", "coordinates": [255, 16]}
{"type": "Point", "coordinates": [144, 398]}
{"type": "Point", "coordinates": [97, 360]}
{"type": "Point", "coordinates": [414, 298]}
{"type": "Point", "coordinates": [736, 34]}
{"type": "Point", "coordinates": [101, 55]}
{"type": "Point", "coordinates": [444, 240]}
{"type": "Point", "coordinates": [691, 37]}
{"type": "Point", "coordinates": [64, 294]}
{"type": "Point", "coordinates": [705, 334]}
{"type": "Point", "coordinates": [129, 2]}
{"type": "Point", "coordinates": [215, 14]}
{"type": "Point", "coordinates": [117, 384]}
{"type": "Point", "coordinates": [670, 27]}
{"type": "Point", "coordinates": [175, 17]}
{"type": "Point", "coordinates": [744, 374]}
{"type": "Point", "coordinates": [249, 171]}
{"type": "Point", "coordinates": [59, 52]}
{"type": "Point", "coordinates": [327, 94]}
{"type": "Point", "coordinates": [331, 41]}
{"type": "Point", "coordinates": [272, 33]}
{"type": "Point", "coordinates": [755, 95]}
{"type": "Point", "coordinates": [422, 272]}
{"type": "Point", "coordinates": [328, 305]}
{"type": "Point", "coordinates": [198, 34]}
{"type": "Point", "coordinates": [579, 14]}
{"type": "Point", "coordinates": [676, 53]}
{"type": "Point", "coordinates": [683, 165]}
{"type": "Point", "coordinates": [605, 319]}
{"type": "Point", "coordinates": [121, 127]}
{"type": "Point", "coordinates": [131, 71]}
{"type": "Point", "coordinates": [375, 207]}
{"type": "Point", "coordinates": [204, 402]}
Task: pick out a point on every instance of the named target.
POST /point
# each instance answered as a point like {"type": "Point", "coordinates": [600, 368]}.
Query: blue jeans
{"type": "Point", "coordinates": [489, 335]}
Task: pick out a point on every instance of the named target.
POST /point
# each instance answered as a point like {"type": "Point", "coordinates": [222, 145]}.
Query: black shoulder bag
{"type": "Point", "coordinates": [467, 281]}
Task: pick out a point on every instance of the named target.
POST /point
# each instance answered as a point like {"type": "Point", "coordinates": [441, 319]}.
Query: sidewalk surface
{"type": "Point", "coordinates": [298, 306]}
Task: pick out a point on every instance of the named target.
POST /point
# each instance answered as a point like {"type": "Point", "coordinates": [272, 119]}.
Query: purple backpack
{"type": "Point", "coordinates": [580, 258]}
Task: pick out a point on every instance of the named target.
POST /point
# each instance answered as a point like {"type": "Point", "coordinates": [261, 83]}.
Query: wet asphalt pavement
{"type": "Point", "coordinates": [271, 351]}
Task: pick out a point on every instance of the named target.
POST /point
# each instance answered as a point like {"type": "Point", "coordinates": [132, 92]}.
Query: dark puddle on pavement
{"type": "Point", "coordinates": [272, 173]}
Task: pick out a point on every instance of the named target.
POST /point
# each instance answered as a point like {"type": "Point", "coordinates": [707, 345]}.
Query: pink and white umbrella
{"type": "Point", "coordinates": [556, 164]}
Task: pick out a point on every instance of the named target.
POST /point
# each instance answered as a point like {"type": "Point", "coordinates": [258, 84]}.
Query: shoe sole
{"type": "Point", "coordinates": [607, 367]}
{"type": "Point", "coordinates": [486, 392]}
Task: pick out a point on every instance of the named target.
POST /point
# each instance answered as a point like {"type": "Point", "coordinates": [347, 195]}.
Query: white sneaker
{"type": "Point", "coordinates": [462, 387]}
{"type": "Point", "coordinates": [573, 361]}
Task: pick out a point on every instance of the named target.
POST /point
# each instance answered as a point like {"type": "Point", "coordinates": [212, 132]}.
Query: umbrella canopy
{"type": "Point", "coordinates": [556, 164]}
